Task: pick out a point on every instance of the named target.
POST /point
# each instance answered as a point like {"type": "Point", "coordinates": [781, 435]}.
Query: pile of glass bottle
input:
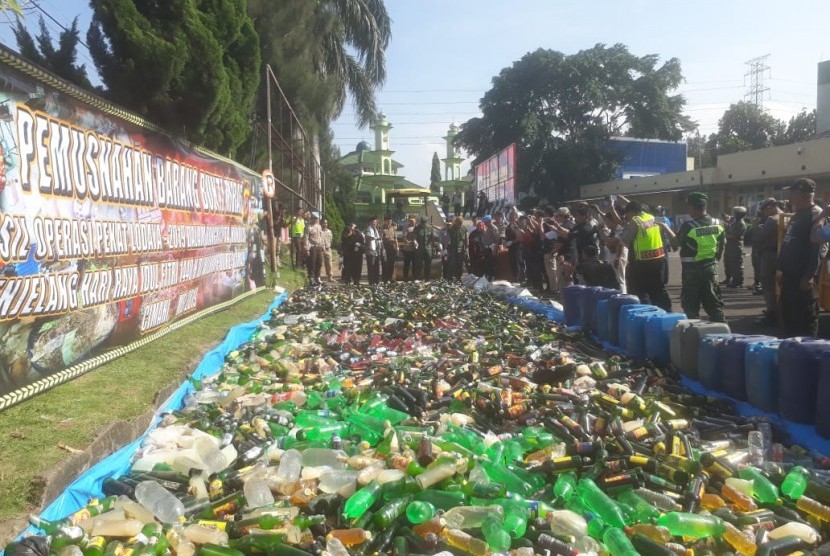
{"type": "Point", "coordinates": [418, 418]}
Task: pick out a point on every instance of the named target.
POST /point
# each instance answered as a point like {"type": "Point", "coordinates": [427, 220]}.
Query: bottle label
{"type": "Point", "coordinates": [218, 525]}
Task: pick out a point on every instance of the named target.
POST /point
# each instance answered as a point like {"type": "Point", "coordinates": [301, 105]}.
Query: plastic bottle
{"type": "Point", "coordinates": [436, 475]}
{"type": "Point", "coordinates": [618, 543]}
{"type": "Point", "coordinates": [691, 525]}
{"type": "Point", "coordinates": [258, 493]}
{"type": "Point", "coordinates": [201, 534]}
{"type": "Point", "coordinates": [116, 528]}
{"type": "Point", "coordinates": [289, 468]}
{"type": "Point", "coordinates": [600, 503]}
{"type": "Point", "coordinates": [565, 523]}
{"type": "Point", "coordinates": [166, 507]}
{"type": "Point", "coordinates": [795, 483]}
{"type": "Point", "coordinates": [739, 540]}
{"type": "Point", "coordinates": [565, 485]}
{"type": "Point", "coordinates": [350, 537]}
{"type": "Point", "coordinates": [757, 450]}
{"type": "Point", "coordinates": [793, 528]}
{"type": "Point", "coordinates": [814, 508]}
{"type": "Point", "coordinates": [644, 511]}
{"type": "Point", "coordinates": [762, 488]}
{"type": "Point", "coordinates": [335, 547]}
{"type": "Point", "coordinates": [471, 517]}
{"type": "Point", "coordinates": [741, 501]}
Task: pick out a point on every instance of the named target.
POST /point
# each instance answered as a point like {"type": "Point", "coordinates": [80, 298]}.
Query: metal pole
{"type": "Point", "coordinates": [272, 240]}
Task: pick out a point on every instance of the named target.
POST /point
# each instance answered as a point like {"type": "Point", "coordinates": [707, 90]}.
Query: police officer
{"type": "Point", "coordinates": [734, 252]}
{"type": "Point", "coordinates": [765, 242]}
{"type": "Point", "coordinates": [798, 262]}
{"type": "Point", "coordinates": [297, 230]}
{"type": "Point", "coordinates": [701, 242]}
{"type": "Point", "coordinates": [646, 253]}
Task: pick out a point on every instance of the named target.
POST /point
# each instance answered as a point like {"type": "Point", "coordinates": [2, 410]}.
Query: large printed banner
{"type": "Point", "coordinates": [496, 176]}
{"type": "Point", "coordinates": [108, 230]}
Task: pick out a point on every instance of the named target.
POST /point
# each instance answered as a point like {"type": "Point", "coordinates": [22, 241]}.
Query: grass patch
{"type": "Point", "coordinates": [70, 415]}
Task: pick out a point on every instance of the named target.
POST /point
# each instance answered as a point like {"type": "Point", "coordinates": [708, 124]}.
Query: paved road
{"type": "Point", "coordinates": [742, 308]}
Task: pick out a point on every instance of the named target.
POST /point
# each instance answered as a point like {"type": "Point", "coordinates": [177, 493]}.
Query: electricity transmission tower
{"type": "Point", "coordinates": [758, 68]}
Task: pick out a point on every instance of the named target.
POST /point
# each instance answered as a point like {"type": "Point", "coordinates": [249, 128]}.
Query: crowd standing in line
{"type": "Point", "coordinates": [624, 247]}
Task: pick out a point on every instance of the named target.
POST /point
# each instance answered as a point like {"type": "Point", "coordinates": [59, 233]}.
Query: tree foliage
{"type": "Point", "coordinates": [323, 51]}
{"type": "Point", "coordinates": [745, 126]}
{"type": "Point", "coordinates": [13, 5]}
{"type": "Point", "coordinates": [561, 110]}
{"type": "Point", "coordinates": [192, 66]}
{"type": "Point", "coordinates": [702, 150]}
{"type": "Point", "coordinates": [435, 172]}
{"type": "Point", "coordinates": [801, 127]}
{"type": "Point", "coordinates": [340, 183]}
{"type": "Point", "coordinates": [62, 61]}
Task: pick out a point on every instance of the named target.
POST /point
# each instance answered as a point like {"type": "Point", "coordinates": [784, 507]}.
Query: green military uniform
{"type": "Point", "coordinates": [701, 243]}
{"type": "Point", "coordinates": [422, 266]}
{"type": "Point", "coordinates": [733, 258]}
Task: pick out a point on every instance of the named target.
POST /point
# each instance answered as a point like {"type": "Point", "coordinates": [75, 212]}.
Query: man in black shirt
{"type": "Point", "coordinates": [798, 262]}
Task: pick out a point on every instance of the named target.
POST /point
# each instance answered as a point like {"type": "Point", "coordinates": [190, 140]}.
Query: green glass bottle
{"type": "Point", "coordinates": [442, 499]}
{"type": "Point", "coordinates": [392, 511]}
{"type": "Point", "coordinates": [362, 500]}
{"type": "Point", "coordinates": [217, 550]}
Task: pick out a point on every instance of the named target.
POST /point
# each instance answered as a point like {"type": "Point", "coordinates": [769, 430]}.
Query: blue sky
{"type": "Point", "coordinates": [444, 53]}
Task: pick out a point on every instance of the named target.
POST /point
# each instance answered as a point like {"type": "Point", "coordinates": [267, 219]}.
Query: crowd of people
{"type": "Point", "coordinates": [625, 246]}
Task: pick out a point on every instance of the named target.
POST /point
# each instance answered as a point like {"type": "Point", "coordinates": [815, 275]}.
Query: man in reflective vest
{"type": "Point", "coordinates": [297, 231]}
{"type": "Point", "coordinates": [701, 242]}
{"type": "Point", "coordinates": [646, 253]}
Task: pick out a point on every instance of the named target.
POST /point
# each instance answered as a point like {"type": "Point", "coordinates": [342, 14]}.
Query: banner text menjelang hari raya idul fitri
{"type": "Point", "coordinates": [109, 229]}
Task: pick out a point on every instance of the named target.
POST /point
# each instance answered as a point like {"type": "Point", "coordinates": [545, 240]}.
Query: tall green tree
{"type": "Point", "coordinates": [561, 110]}
{"type": "Point", "coordinates": [435, 172]}
{"type": "Point", "coordinates": [324, 51]}
{"type": "Point", "coordinates": [62, 61]}
{"type": "Point", "coordinates": [192, 66]}
{"type": "Point", "coordinates": [745, 126]}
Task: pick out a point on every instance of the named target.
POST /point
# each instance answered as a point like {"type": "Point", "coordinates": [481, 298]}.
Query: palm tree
{"type": "Point", "coordinates": [361, 26]}
{"type": "Point", "coordinates": [324, 50]}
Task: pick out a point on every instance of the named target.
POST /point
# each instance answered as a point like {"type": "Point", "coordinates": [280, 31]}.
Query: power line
{"type": "Point", "coordinates": [56, 22]}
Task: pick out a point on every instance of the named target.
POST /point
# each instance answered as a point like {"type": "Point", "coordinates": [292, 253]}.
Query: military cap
{"type": "Point", "coordinates": [697, 197]}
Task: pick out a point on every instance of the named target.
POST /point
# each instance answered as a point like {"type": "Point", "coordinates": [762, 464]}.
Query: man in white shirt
{"type": "Point", "coordinates": [373, 251]}
{"type": "Point", "coordinates": [313, 240]}
{"type": "Point", "coordinates": [327, 239]}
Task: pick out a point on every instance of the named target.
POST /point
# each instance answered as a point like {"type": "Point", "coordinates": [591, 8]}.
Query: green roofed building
{"type": "Point", "coordinates": [376, 173]}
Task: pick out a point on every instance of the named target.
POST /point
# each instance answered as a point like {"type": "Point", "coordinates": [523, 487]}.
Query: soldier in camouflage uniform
{"type": "Point", "coordinates": [734, 252]}
{"type": "Point", "coordinates": [701, 243]}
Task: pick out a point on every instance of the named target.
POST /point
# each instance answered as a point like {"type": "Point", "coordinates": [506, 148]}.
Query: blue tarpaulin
{"type": "Point", "coordinates": [88, 485]}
